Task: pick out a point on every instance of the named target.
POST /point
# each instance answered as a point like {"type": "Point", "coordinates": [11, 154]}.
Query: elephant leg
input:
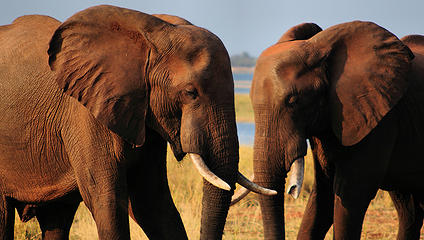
{"type": "Point", "coordinates": [100, 171]}
{"type": "Point", "coordinates": [348, 219]}
{"type": "Point", "coordinates": [56, 218]}
{"type": "Point", "coordinates": [151, 204]}
{"type": "Point", "coordinates": [355, 185]}
{"type": "Point", "coordinates": [318, 216]}
{"type": "Point", "coordinates": [409, 213]}
{"type": "Point", "coordinates": [103, 188]}
{"type": "Point", "coordinates": [7, 218]}
{"type": "Point", "coordinates": [359, 172]}
{"type": "Point", "coordinates": [108, 204]}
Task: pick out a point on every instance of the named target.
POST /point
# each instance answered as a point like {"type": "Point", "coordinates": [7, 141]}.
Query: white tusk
{"type": "Point", "coordinates": [242, 180]}
{"type": "Point", "coordinates": [206, 173]}
{"type": "Point", "coordinates": [248, 186]}
{"type": "Point", "coordinates": [239, 195]}
{"type": "Point", "coordinates": [296, 178]}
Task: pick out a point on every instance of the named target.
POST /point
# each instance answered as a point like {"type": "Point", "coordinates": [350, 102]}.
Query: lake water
{"type": "Point", "coordinates": [242, 82]}
{"type": "Point", "coordinates": [246, 133]}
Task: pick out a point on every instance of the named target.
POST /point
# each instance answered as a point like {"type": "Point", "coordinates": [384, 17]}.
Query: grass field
{"type": "Point", "coordinates": [244, 110]}
{"type": "Point", "coordinates": [244, 219]}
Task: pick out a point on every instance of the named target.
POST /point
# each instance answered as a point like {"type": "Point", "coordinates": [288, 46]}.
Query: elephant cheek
{"type": "Point", "coordinates": [192, 133]}
{"type": "Point", "coordinates": [192, 141]}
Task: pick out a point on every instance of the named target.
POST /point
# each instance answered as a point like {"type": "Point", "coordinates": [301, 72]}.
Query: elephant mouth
{"type": "Point", "coordinates": [297, 152]}
{"type": "Point", "coordinates": [177, 150]}
{"type": "Point", "coordinates": [179, 156]}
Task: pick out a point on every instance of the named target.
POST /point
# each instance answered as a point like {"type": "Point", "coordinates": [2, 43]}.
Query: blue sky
{"type": "Point", "coordinates": [247, 25]}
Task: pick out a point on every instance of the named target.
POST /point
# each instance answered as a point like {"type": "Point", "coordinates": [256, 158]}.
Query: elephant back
{"type": "Point", "coordinates": [27, 39]}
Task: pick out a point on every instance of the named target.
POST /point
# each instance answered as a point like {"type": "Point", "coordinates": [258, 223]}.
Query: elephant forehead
{"type": "Point", "coordinates": [281, 69]}
{"type": "Point", "coordinates": [281, 60]}
{"type": "Point", "coordinates": [281, 47]}
{"type": "Point", "coordinates": [205, 79]}
{"type": "Point", "coordinates": [189, 68]}
{"type": "Point", "coordinates": [201, 69]}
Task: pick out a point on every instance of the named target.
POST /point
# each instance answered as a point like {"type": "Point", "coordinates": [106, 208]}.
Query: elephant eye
{"type": "Point", "coordinates": [191, 93]}
{"type": "Point", "coordinates": [292, 100]}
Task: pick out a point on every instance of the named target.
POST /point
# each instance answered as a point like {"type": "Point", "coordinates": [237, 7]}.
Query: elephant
{"type": "Point", "coordinates": [55, 219]}
{"type": "Point", "coordinates": [318, 215]}
{"type": "Point", "coordinates": [316, 221]}
{"type": "Point", "coordinates": [82, 100]}
{"type": "Point", "coordinates": [358, 90]}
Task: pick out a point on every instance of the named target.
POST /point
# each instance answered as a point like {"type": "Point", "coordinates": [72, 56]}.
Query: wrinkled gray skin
{"type": "Point", "coordinates": [78, 97]}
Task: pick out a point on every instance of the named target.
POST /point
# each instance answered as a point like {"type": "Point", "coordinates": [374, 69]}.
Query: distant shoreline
{"type": "Point", "coordinates": [242, 69]}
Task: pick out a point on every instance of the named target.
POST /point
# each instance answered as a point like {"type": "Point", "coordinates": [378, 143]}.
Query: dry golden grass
{"type": "Point", "coordinates": [244, 110]}
{"type": "Point", "coordinates": [244, 219]}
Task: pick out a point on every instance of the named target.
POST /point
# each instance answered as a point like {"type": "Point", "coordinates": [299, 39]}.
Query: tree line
{"type": "Point", "coordinates": [243, 60]}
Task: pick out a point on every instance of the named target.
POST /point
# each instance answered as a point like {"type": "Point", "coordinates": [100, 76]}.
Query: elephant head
{"type": "Point", "coordinates": [133, 70]}
{"type": "Point", "coordinates": [172, 19]}
{"type": "Point", "coordinates": [340, 81]}
{"type": "Point", "coordinates": [415, 43]}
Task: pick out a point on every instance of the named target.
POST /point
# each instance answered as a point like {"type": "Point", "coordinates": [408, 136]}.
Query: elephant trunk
{"type": "Point", "coordinates": [215, 205]}
{"type": "Point", "coordinates": [269, 173]}
{"type": "Point", "coordinates": [216, 142]}
{"type": "Point", "coordinates": [216, 201]}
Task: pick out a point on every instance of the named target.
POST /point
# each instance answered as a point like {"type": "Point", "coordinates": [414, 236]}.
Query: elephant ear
{"type": "Point", "coordinates": [367, 69]}
{"type": "Point", "coordinates": [302, 31]}
{"type": "Point", "coordinates": [100, 56]}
